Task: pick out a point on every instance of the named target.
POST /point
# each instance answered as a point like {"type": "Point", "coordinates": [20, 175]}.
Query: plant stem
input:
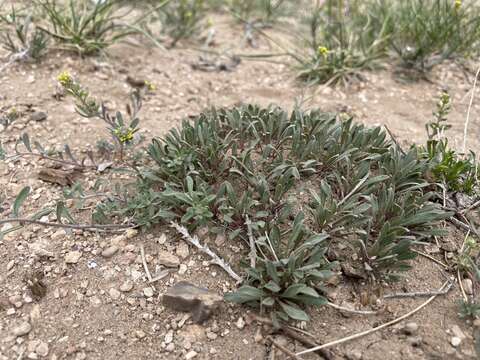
{"type": "Point", "coordinates": [86, 227]}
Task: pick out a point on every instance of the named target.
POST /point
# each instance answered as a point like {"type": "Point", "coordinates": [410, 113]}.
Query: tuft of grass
{"type": "Point", "coordinates": [180, 20]}
{"type": "Point", "coordinates": [426, 33]}
{"type": "Point", "coordinates": [20, 36]}
{"type": "Point", "coordinates": [343, 39]}
{"type": "Point", "coordinates": [84, 26]}
{"type": "Point", "coordinates": [259, 11]}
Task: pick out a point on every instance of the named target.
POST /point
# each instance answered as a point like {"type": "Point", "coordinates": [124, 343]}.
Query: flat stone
{"type": "Point", "coordinates": [126, 286]}
{"type": "Point", "coordinates": [186, 297]}
{"type": "Point", "coordinates": [72, 257]}
{"type": "Point", "coordinates": [167, 259]}
{"type": "Point", "coordinates": [109, 251]}
{"type": "Point", "coordinates": [114, 293]}
{"type": "Point", "coordinates": [38, 116]}
{"type": "Point", "coordinates": [190, 355]}
{"type": "Point", "coordinates": [22, 329]}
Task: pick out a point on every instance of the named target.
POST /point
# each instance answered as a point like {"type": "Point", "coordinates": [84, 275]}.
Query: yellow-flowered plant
{"type": "Point", "coordinates": [458, 4]}
{"type": "Point", "coordinates": [150, 86]}
{"type": "Point", "coordinates": [323, 51]}
{"type": "Point", "coordinates": [89, 107]}
{"type": "Point", "coordinates": [65, 79]}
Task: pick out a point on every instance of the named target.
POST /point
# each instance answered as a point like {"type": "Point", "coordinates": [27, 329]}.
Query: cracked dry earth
{"type": "Point", "coordinates": [98, 303]}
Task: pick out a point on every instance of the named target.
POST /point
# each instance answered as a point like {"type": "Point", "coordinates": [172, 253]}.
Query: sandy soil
{"type": "Point", "coordinates": [81, 317]}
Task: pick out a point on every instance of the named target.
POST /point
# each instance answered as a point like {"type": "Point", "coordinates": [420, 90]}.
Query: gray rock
{"type": "Point", "coordinates": [167, 259]}
{"type": "Point", "coordinates": [200, 302]}
{"type": "Point", "coordinates": [109, 251]}
{"type": "Point", "coordinates": [38, 116]}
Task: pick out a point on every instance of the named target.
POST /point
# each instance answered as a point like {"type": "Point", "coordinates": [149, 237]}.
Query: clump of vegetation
{"type": "Point", "coordinates": [259, 11]}
{"type": "Point", "coordinates": [367, 197]}
{"type": "Point", "coordinates": [458, 173]}
{"type": "Point", "coordinates": [183, 19]}
{"type": "Point", "coordinates": [84, 26]}
{"type": "Point", "coordinates": [89, 107]}
{"type": "Point", "coordinates": [425, 33]}
{"type": "Point", "coordinates": [21, 37]}
{"type": "Point", "coordinates": [342, 41]}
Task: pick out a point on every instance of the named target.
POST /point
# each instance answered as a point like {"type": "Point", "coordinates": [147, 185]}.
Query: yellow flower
{"type": "Point", "coordinates": [150, 86]}
{"type": "Point", "coordinates": [323, 51]}
{"type": "Point", "coordinates": [209, 22]}
{"type": "Point", "coordinates": [444, 98]}
{"type": "Point", "coordinates": [458, 4]}
{"type": "Point", "coordinates": [65, 78]}
{"type": "Point", "coordinates": [124, 135]}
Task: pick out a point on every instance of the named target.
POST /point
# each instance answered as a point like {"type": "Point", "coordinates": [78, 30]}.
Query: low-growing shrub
{"type": "Point", "coordinates": [243, 171]}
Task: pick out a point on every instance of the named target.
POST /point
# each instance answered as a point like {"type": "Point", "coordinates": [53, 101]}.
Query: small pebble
{"type": "Point", "coordinates": [148, 292]}
{"type": "Point", "coordinates": [109, 251]}
{"type": "Point", "coordinates": [240, 324]}
{"type": "Point", "coordinates": [22, 329]}
{"type": "Point", "coordinates": [114, 293]}
{"type": "Point", "coordinates": [410, 328]}
{"type": "Point", "coordinates": [191, 355]}
{"type": "Point", "coordinates": [126, 286]}
{"type": "Point", "coordinates": [455, 341]}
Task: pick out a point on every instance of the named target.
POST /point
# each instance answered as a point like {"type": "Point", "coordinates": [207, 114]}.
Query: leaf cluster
{"type": "Point", "coordinates": [244, 172]}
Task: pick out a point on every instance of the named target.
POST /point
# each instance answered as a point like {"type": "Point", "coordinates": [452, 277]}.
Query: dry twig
{"type": "Point", "coordinates": [352, 311]}
{"type": "Point", "coordinates": [465, 128]}
{"type": "Point", "coordinates": [293, 333]}
{"type": "Point", "coordinates": [431, 258]}
{"type": "Point", "coordinates": [370, 331]}
{"type": "Point", "coordinates": [204, 248]}
{"type": "Point", "coordinates": [85, 227]}
{"type": "Point", "coordinates": [145, 266]}
{"type": "Point", "coordinates": [251, 240]}
{"type": "Point", "coordinates": [419, 293]}
{"type": "Point", "coordinates": [283, 348]}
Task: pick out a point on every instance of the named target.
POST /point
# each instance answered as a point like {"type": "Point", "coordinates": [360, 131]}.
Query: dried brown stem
{"type": "Point", "coordinates": [419, 293]}
{"type": "Point", "coordinates": [292, 333]}
{"type": "Point", "coordinates": [85, 227]}
{"type": "Point", "coordinates": [283, 348]}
